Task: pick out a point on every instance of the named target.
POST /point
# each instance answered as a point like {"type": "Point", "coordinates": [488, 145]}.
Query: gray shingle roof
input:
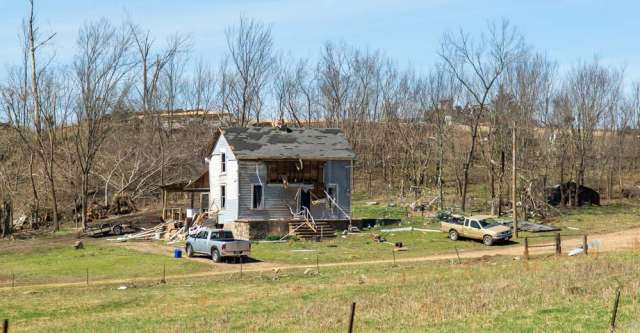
{"type": "Point", "coordinates": [274, 143]}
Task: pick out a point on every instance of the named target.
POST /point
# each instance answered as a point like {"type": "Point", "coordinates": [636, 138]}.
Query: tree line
{"type": "Point", "coordinates": [96, 126]}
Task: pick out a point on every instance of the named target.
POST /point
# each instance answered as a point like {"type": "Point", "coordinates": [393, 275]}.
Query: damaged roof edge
{"type": "Point", "coordinates": [260, 143]}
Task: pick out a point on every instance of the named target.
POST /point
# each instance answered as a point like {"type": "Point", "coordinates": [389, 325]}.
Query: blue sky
{"type": "Point", "coordinates": [409, 31]}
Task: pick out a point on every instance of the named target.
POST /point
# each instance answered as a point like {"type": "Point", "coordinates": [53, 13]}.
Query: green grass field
{"type": "Point", "coordinates": [491, 295]}
{"type": "Point", "coordinates": [500, 294]}
{"type": "Point", "coordinates": [62, 263]}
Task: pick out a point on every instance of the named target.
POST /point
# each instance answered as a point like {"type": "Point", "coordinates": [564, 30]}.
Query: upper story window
{"type": "Point", "coordinates": [223, 196]}
{"type": "Point", "coordinates": [223, 162]}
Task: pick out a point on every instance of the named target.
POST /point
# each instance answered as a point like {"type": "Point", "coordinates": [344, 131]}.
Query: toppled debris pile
{"type": "Point", "coordinates": [170, 230]}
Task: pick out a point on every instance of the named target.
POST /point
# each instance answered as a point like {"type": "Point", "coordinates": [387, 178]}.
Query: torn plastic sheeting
{"type": "Point", "coordinates": [590, 245]}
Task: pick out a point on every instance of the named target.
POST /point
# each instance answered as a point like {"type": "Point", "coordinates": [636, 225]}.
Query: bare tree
{"type": "Point", "coordinates": [250, 62]}
{"type": "Point", "coordinates": [477, 65]}
{"type": "Point", "coordinates": [101, 68]}
{"type": "Point", "coordinates": [590, 92]}
{"type": "Point", "coordinates": [36, 103]}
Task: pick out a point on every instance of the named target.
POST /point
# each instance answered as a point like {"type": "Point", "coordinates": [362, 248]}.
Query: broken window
{"type": "Point", "coordinates": [256, 201]}
{"type": "Point", "coordinates": [223, 196]}
{"type": "Point", "coordinates": [223, 162]}
{"type": "Point", "coordinates": [295, 171]}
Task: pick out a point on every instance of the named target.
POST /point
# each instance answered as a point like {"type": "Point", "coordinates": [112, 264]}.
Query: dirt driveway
{"type": "Point", "coordinates": [627, 239]}
{"type": "Point", "coordinates": [622, 240]}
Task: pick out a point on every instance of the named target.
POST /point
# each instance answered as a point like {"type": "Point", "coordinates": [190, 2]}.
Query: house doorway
{"type": "Point", "coordinates": [305, 199]}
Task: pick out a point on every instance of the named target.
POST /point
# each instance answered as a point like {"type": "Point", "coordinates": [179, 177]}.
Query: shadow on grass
{"type": "Point", "coordinates": [225, 260]}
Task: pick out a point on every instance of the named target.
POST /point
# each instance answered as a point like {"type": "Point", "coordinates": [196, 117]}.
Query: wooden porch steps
{"type": "Point", "coordinates": [304, 231]}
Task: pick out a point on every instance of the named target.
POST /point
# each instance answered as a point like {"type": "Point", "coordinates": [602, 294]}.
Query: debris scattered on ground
{"type": "Point", "coordinates": [372, 203]}
{"type": "Point", "coordinates": [122, 288]}
{"type": "Point", "coordinates": [379, 238]}
{"type": "Point", "coordinates": [19, 222]}
{"type": "Point", "coordinates": [391, 205]}
{"type": "Point", "coordinates": [78, 245]}
{"type": "Point", "coordinates": [426, 230]}
{"type": "Point", "coordinates": [362, 279]}
{"type": "Point", "coordinates": [354, 229]}
{"type": "Point", "coordinates": [421, 206]}
{"type": "Point", "coordinates": [592, 244]}
{"type": "Point", "coordinates": [530, 227]}
{"type": "Point", "coordinates": [408, 229]}
{"type": "Point", "coordinates": [573, 228]}
{"type": "Point", "coordinates": [397, 229]}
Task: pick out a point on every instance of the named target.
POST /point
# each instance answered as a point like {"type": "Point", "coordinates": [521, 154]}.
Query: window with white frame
{"type": "Point", "coordinates": [257, 196]}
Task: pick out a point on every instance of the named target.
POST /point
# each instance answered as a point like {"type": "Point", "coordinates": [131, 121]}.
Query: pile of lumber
{"type": "Point", "coordinates": [147, 234]}
{"type": "Point", "coordinates": [170, 230]}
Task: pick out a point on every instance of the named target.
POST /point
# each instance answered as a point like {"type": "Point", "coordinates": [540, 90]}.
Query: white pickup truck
{"type": "Point", "coordinates": [218, 244]}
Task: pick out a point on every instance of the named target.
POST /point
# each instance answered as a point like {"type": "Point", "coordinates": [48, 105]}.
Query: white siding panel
{"type": "Point", "coordinates": [218, 178]}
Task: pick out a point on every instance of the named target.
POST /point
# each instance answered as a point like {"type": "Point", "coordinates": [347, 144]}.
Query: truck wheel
{"type": "Point", "coordinates": [215, 255]}
{"type": "Point", "coordinates": [118, 230]}
{"type": "Point", "coordinates": [189, 251]}
{"type": "Point", "coordinates": [453, 235]}
{"type": "Point", "coordinates": [487, 240]}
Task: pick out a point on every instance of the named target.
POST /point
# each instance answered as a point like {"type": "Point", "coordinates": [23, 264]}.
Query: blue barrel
{"type": "Point", "coordinates": [177, 253]}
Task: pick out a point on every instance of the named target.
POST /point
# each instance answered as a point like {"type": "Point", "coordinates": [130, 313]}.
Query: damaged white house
{"type": "Point", "coordinates": [278, 181]}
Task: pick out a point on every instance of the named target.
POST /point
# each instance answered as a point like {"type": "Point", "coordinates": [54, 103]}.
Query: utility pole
{"type": "Point", "coordinates": [514, 182]}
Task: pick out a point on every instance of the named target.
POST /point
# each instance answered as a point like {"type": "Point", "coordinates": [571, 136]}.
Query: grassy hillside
{"type": "Point", "coordinates": [490, 295]}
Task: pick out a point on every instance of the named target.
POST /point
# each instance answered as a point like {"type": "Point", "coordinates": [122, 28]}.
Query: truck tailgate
{"type": "Point", "coordinates": [238, 245]}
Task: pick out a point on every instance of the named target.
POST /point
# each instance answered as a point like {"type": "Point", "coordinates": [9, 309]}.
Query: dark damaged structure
{"type": "Point", "coordinates": [566, 193]}
{"type": "Point", "coordinates": [267, 181]}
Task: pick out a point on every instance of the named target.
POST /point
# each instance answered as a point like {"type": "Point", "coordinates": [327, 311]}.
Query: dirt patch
{"type": "Point", "coordinates": [157, 248]}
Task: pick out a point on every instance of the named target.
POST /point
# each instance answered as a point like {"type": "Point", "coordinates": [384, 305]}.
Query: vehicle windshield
{"type": "Point", "coordinates": [488, 223]}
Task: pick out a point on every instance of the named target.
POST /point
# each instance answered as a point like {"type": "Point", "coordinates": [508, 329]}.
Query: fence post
{"type": "Point", "coordinates": [241, 263]}
{"type": "Point", "coordinates": [5, 326]}
{"type": "Point", "coordinates": [87, 276]}
{"type": "Point", "coordinates": [585, 247]}
{"type": "Point", "coordinates": [526, 248]}
{"type": "Point", "coordinates": [393, 251]}
{"type": "Point", "coordinates": [558, 245]}
{"type": "Point", "coordinates": [614, 312]}
{"type": "Point", "coordinates": [458, 255]}
{"type": "Point", "coordinates": [318, 263]}
{"type": "Point", "coordinates": [353, 313]}
{"type": "Point", "coordinates": [164, 273]}
{"type": "Point", "coordinates": [13, 280]}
